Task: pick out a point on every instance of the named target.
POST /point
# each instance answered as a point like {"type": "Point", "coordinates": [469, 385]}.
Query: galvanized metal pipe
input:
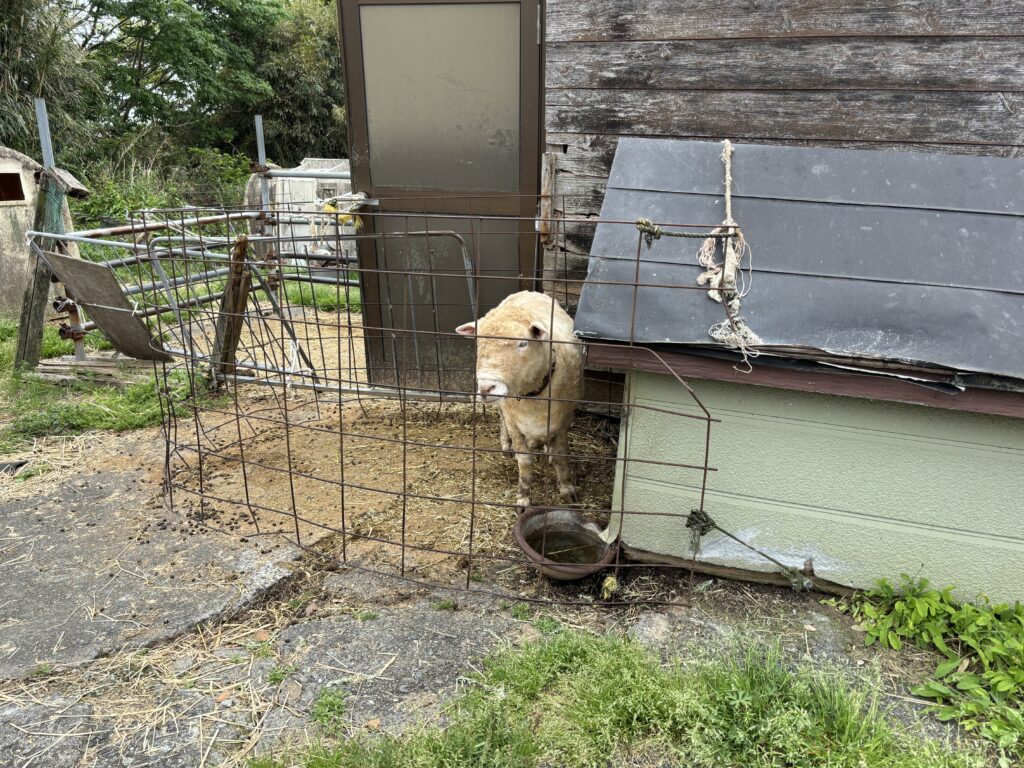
{"type": "Point", "coordinates": [281, 173]}
{"type": "Point", "coordinates": [261, 156]}
{"type": "Point", "coordinates": [184, 279]}
{"type": "Point", "coordinates": [151, 311]}
{"type": "Point", "coordinates": [43, 123]}
{"type": "Point", "coordinates": [294, 277]}
{"type": "Point", "coordinates": [155, 226]}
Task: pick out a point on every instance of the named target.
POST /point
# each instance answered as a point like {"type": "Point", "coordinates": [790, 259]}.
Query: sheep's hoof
{"type": "Point", "coordinates": [568, 494]}
{"type": "Point", "coordinates": [522, 503]}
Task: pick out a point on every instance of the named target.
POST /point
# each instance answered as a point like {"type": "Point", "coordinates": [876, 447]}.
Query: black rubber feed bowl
{"type": "Point", "coordinates": [562, 543]}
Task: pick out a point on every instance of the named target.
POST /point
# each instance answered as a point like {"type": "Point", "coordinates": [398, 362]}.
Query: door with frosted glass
{"type": "Point", "coordinates": [444, 121]}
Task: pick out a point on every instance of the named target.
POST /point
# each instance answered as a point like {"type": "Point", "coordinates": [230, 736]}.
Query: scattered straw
{"type": "Point", "coordinates": [48, 461]}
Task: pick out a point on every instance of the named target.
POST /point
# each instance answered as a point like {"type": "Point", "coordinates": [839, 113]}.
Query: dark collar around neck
{"type": "Point", "coordinates": [543, 384]}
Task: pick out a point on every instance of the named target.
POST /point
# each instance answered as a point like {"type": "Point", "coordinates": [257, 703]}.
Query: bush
{"type": "Point", "coordinates": [981, 681]}
{"type": "Point", "coordinates": [192, 176]}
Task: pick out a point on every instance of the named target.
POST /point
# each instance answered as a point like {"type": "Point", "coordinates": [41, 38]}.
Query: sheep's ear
{"type": "Point", "coordinates": [538, 330]}
{"type": "Point", "coordinates": [467, 329]}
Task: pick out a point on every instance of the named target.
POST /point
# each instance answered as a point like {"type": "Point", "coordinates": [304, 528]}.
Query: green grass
{"type": "Point", "coordinates": [329, 709]}
{"type": "Point", "coordinates": [262, 649]}
{"type": "Point", "coordinates": [36, 408]}
{"type": "Point", "coordinates": [43, 409]}
{"type": "Point", "coordinates": [279, 673]}
{"type": "Point", "coordinates": [579, 700]}
{"type": "Point", "coordinates": [40, 670]}
{"type": "Point", "coordinates": [52, 344]}
{"type": "Point", "coordinates": [326, 298]}
{"type": "Point", "coordinates": [444, 605]}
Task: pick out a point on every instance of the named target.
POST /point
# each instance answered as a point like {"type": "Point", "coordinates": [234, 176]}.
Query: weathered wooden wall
{"type": "Point", "coordinates": [926, 75]}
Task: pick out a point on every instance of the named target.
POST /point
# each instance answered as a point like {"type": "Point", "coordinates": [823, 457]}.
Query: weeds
{"type": "Point", "coordinates": [37, 408]}
{"type": "Point", "coordinates": [261, 649]}
{"type": "Point", "coordinates": [279, 673]}
{"type": "Point", "coordinates": [329, 709]}
{"type": "Point", "coordinates": [444, 605]}
{"type": "Point", "coordinates": [34, 408]}
{"type": "Point", "coordinates": [574, 699]}
{"type": "Point", "coordinates": [40, 670]}
{"type": "Point", "coordinates": [980, 683]}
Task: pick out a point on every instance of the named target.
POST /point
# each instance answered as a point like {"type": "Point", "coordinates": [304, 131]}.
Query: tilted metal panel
{"type": "Point", "coordinates": [96, 290]}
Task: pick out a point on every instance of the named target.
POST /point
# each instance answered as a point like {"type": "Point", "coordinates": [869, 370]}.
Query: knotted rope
{"type": "Point", "coordinates": [722, 278]}
{"type": "Point", "coordinates": [701, 523]}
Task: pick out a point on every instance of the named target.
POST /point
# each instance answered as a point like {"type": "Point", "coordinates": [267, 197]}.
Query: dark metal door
{"type": "Point", "coordinates": [444, 118]}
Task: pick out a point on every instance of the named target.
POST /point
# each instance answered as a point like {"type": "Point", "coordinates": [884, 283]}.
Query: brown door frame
{"type": "Point", "coordinates": [432, 202]}
{"type": "Point", "coordinates": [531, 94]}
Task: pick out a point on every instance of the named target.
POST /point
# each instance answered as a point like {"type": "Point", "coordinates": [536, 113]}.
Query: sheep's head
{"type": "Point", "coordinates": [514, 354]}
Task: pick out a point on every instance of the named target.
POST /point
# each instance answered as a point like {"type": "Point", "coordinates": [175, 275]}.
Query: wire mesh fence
{"type": "Point", "coordinates": [315, 387]}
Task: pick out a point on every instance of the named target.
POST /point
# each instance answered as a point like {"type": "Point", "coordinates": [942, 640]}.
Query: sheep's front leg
{"type": "Point", "coordinates": [525, 460]}
{"type": "Point", "coordinates": [559, 454]}
{"type": "Point", "coordinates": [506, 441]}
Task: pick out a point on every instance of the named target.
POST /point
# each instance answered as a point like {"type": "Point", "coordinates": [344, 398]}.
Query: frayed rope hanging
{"type": "Point", "coordinates": [733, 331]}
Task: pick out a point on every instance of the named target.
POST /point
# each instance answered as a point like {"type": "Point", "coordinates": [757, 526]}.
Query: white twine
{"type": "Point", "coordinates": [722, 278]}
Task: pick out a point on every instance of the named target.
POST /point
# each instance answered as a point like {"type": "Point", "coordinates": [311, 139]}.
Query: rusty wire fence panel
{"type": "Point", "coordinates": [315, 390]}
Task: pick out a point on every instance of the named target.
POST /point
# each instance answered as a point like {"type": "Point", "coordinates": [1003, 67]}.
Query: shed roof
{"type": "Point", "coordinates": [860, 257]}
{"type": "Point", "coordinates": [6, 153]}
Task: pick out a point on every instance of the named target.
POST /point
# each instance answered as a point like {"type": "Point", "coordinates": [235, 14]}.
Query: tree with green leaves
{"type": "Point", "coordinates": [162, 91]}
{"type": "Point", "coordinates": [305, 113]}
{"type": "Point", "coordinates": [39, 57]}
{"type": "Point", "coordinates": [175, 64]}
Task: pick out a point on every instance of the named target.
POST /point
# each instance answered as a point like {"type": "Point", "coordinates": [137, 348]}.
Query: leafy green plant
{"type": "Point", "coordinates": [980, 682]}
{"type": "Point", "coordinates": [329, 709]}
{"type": "Point", "coordinates": [279, 673]}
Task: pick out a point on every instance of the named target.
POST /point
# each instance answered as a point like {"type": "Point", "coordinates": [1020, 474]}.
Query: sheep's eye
{"type": "Point", "coordinates": [522, 344]}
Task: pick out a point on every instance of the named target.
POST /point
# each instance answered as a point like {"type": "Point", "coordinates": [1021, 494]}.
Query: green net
{"type": "Point", "coordinates": [53, 212]}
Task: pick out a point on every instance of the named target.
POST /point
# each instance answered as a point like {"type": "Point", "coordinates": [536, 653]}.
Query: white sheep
{"type": "Point", "coordinates": [530, 363]}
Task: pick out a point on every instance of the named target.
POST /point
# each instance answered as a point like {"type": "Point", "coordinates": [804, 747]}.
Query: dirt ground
{"type": "Point", "coordinates": [420, 488]}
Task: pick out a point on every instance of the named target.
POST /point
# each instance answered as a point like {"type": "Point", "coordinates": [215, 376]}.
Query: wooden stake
{"type": "Point", "coordinates": [232, 314]}
{"type": "Point", "coordinates": [37, 293]}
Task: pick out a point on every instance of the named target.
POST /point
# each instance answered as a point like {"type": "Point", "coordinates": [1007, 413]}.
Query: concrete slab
{"type": "Point", "coordinates": [54, 733]}
{"type": "Point", "coordinates": [95, 564]}
{"type": "Point", "coordinates": [95, 568]}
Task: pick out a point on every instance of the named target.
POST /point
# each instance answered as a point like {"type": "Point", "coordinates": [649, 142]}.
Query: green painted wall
{"type": "Point", "coordinates": [864, 489]}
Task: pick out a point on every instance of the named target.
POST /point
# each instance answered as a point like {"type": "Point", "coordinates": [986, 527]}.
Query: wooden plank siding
{"type": "Point", "coordinates": [802, 64]}
{"type": "Point", "coordinates": [635, 20]}
{"type": "Point", "coordinates": [914, 75]}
